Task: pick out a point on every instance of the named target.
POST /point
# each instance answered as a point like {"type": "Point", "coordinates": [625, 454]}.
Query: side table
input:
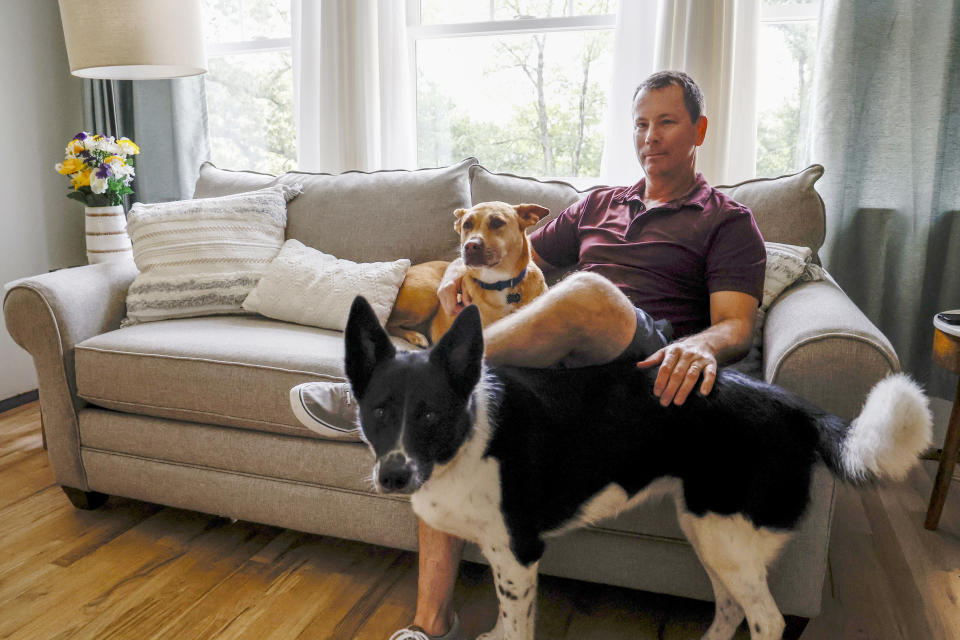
{"type": "Point", "coordinates": [946, 353]}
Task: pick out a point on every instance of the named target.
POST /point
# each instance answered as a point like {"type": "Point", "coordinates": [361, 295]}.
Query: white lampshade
{"type": "Point", "coordinates": [133, 39]}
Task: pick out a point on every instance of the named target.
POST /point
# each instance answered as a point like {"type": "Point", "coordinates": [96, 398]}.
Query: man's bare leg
{"type": "Point", "coordinates": [584, 319]}
{"type": "Point", "coordinates": [439, 561]}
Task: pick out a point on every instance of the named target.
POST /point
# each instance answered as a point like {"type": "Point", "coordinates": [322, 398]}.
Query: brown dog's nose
{"type": "Point", "coordinates": [473, 252]}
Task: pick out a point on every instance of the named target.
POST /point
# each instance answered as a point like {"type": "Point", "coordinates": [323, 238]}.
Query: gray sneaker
{"type": "Point", "coordinates": [327, 408]}
{"type": "Point", "coordinates": [416, 633]}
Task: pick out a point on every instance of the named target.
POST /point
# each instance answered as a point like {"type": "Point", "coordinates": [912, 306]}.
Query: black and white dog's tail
{"type": "Point", "coordinates": [883, 442]}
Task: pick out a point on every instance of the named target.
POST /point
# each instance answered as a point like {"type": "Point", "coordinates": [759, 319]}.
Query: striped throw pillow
{"type": "Point", "coordinates": [203, 257]}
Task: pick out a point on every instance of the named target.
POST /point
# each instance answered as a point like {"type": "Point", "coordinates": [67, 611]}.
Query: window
{"type": "Point", "coordinates": [250, 84]}
{"type": "Point", "coordinates": [521, 84]}
{"type": "Point", "coordinates": [788, 37]}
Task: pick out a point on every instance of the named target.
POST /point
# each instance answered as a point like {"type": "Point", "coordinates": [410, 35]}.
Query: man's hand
{"type": "Point", "coordinates": [682, 364]}
{"type": "Point", "coordinates": [452, 298]}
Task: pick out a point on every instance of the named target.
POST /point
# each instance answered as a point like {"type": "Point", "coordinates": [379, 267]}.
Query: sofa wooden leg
{"type": "Point", "coordinates": [795, 627]}
{"type": "Point", "coordinates": [86, 500]}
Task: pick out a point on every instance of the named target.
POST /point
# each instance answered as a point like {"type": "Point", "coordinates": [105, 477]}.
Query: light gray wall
{"type": "Point", "coordinates": [40, 110]}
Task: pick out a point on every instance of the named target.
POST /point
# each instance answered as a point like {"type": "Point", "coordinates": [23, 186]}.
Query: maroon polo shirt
{"type": "Point", "coordinates": [668, 259]}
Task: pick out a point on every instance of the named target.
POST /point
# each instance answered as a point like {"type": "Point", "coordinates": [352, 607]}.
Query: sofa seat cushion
{"type": "Point", "coordinates": [230, 370]}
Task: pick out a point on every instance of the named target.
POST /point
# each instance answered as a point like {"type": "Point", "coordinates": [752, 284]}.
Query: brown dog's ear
{"type": "Point", "coordinates": [459, 213]}
{"type": "Point", "coordinates": [530, 214]}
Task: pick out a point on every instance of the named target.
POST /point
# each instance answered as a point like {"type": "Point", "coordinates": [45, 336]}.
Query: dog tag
{"type": "Point", "coordinates": [513, 298]}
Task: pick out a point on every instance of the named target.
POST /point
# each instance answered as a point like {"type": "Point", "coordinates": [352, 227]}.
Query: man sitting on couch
{"type": "Point", "coordinates": [669, 247]}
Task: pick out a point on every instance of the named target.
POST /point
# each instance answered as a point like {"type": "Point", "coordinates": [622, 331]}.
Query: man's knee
{"type": "Point", "coordinates": [598, 313]}
{"type": "Point", "coordinates": [594, 294]}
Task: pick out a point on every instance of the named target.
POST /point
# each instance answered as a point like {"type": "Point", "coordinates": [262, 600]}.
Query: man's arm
{"type": "Point", "coordinates": [683, 362]}
{"type": "Point", "coordinates": [452, 297]}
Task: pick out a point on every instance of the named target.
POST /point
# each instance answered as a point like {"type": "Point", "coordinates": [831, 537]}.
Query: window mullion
{"type": "Point", "coordinates": [263, 45]}
{"type": "Point", "coordinates": [504, 27]}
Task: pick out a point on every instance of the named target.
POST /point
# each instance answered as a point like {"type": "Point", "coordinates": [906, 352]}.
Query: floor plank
{"type": "Point", "coordinates": [132, 570]}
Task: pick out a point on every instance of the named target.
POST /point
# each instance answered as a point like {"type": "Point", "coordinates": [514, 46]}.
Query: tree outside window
{"type": "Point", "coordinates": [250, 84]}
{"type": "Point", "coordinates": [520, 84]}
{"type": "Point", "coordinates": [523, 87]}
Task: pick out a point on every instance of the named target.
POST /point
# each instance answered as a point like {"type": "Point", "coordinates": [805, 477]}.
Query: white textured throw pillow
{"type": "Point", "coordinates": [310, 287]}
{"type": "Point", "coordinates": [203, 257]}
{"type": "Point", "coordinates": [786, 264]}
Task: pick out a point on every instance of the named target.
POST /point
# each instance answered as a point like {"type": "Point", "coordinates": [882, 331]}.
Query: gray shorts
{"type": "Point", "coordinates": [651, 336]}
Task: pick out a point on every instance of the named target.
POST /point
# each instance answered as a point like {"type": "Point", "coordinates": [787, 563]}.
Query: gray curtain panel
{"type": "Point", "coordinates": [886, 125]}
{"type": "Point", "coordinates": [168, 121]}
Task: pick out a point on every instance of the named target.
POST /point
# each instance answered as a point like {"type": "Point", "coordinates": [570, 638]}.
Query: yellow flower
{"type": "Point", "coordinates": [110, 159]}
{"type": "Point", "coordinates": [82, 179]}
{"type": "Point", "coordinates": [71, 165]}
{"type": "Point", "coordinates": [75, 146]}
{"type": "Point", "coordinates": [128, 146]}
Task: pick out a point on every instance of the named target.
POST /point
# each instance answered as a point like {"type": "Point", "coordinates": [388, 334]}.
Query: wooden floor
{"type": "Point", "coordinates": [133, 570]}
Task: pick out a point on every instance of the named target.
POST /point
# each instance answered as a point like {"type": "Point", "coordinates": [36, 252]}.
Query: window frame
{"type": "Point", "coordinates": [516, 26]}
{"type": "Point", "coordinates": [248, 46]}
{"type": "Point", "coordinates": [789, 12]}
{"type": "Point", "coordinates": [260, 45]}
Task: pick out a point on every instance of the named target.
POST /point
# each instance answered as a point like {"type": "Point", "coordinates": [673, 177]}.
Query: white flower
{"type": "Point", "coordinates": [127, 146]}
{"type": "Point", "coordinates": [97, 185]}
{"type": "Point", "coordinates": [120, 168]}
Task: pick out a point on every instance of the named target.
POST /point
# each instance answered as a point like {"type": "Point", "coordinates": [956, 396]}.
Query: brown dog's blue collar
{"type": "Point", "coordinates": [502, 284]}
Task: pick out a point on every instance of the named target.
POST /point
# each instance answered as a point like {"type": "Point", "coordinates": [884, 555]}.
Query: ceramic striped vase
{"type": "Point", "coordinates": [107, 237]}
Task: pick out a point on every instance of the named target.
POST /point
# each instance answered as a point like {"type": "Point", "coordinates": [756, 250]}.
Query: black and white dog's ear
{"type": "Point", "coordinates": [367, 345]}
{"type": "Point", "coordinates": [460, 350]}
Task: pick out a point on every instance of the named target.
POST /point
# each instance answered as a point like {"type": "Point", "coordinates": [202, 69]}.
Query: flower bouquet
{"type": "Point", "coordinates": [100, 168]}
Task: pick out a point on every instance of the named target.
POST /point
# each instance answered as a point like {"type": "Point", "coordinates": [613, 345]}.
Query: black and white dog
{"type": "Point", "coordinates": [506, 457]}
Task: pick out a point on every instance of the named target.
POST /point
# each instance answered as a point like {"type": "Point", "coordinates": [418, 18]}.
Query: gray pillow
{"type": "Point", "coordinates": [380, 216]}
{"type": "Point", "coordinates": [487, 186]}
{"type": "Point", "coordinates": [788, 209]}
{"type": "Point", "coordinates": [214, 181]}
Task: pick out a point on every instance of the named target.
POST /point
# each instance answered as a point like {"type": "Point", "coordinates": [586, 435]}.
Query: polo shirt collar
{"type": "Point", "coordinates": [696, 197]}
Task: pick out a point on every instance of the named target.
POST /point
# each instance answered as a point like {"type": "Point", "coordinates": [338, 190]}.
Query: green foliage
{"type": "Point", "coordinates": [568, 99]}
{"type": "Point", "coordinates": [781, 133]}
{"type": "Point", "coordinates": [250, 95]}
{"type": "Point", "coordinates": [91, 199]}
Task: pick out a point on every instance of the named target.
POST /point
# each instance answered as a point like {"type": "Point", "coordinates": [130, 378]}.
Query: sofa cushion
{"type": "Point", "coordinates": [214, 181]}
{"type": "Point", "coordinates": [310, 287]}
{"type": "Point", "coordinates": [203, 257]}
{"type": "Point", "coordinates": [380, 216]}
{"type": "Point", "coordinates": [487, 186]}
{"type": "Point", "coordinates": [229, 370]}
{"type": "Point", "coordinates": [788, 209]}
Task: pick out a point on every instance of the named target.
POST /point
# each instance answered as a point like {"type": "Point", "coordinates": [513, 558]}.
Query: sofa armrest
{"type": "Point", "coordinates": [817, 343]}
{"type": "Point", "coordinates": [48, 315]}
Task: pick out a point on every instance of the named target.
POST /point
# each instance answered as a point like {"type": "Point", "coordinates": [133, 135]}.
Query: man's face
{"type": "Point", "coordinates": [665, 139]}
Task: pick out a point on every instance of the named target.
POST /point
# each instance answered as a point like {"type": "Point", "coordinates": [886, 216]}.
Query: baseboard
{"type": "Point", "coordinates": [17, 401]}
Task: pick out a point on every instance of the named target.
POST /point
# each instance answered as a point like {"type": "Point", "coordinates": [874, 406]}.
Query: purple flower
{"type": "Point", "coordinates": [80, 136]}
{"type": "Point", "coordinates": [103, 172]}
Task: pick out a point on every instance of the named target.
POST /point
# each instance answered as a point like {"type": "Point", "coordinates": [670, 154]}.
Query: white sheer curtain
{"type": "Point", "coordinates": [714, 42]}
{"type": "Point", "coordinates": [353, 90]}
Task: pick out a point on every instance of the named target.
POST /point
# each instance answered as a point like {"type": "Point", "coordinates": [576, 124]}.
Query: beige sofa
{"type": "Point", "coordinates": [194, 412]}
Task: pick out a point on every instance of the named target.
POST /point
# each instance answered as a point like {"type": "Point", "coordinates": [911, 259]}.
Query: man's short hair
{"type": "Point", "coordinates": [692, 96]}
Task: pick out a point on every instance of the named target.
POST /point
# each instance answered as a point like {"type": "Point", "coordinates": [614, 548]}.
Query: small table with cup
{"type": "Point", "coordinates": [946, 353]}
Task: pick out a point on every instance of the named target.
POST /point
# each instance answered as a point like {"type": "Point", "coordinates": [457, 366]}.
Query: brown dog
{"type": "Point", "coordinates": [500, 274]}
